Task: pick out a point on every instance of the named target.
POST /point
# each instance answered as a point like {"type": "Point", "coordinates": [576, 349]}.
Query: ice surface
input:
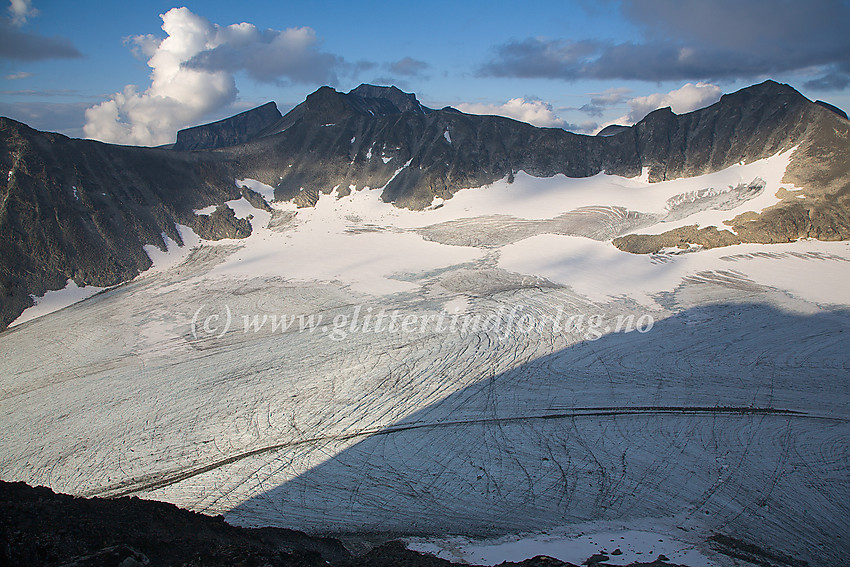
{"type": "Point", "coordinates": [244, 209]}
{"type": "Point", "coordinates": [574, 545]}
{"type": "Point", "coordinates": [174, 254]}
{"type": "Point", "coordinates": [601, 272]}
{"type": "Point", "coordinates": [541, 198]}
{"type": "Point", "coordinates": [373, 261]}
{"type": "Point", "coordinates": [271, 378]}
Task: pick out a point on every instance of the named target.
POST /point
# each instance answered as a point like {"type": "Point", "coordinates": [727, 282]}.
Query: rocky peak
{"type": "Point", "coordinates": [404, 102]}
{"type": "Point", "coordinates": [231, 131]}
{"type": "Point", "coordinates": [367, 100]}
{"type": "Point", "coordinates": [377, 137]}
{"type": "Point", "coordinates": [766, 95]}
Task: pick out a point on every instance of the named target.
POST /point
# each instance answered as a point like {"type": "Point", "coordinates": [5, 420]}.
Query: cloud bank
{"type": "Point", "coordinates": [600, 102]}
{"type": "Point", "coordinates": [697, 40]}
{"type": "Point", "coordinates": [534, 112]}
{"type": "Point", "coordinates": [193, 74]}
{"type": "Point", "coordinates": [687, 98]}
{"type": "Point", "coordinates": [25, 46]}
{"type": "Point", "coordinates": [17, 76]}
{"type": "Point", "coordinates": [266, 55]}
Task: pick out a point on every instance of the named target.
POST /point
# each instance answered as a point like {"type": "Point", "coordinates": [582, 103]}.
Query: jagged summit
{"type": "Point", "coordinates": [332, 102]}
{"type": "Point", "coordinates": [327, 105]}
{"type": "Point", "coordinates": [405, 102]}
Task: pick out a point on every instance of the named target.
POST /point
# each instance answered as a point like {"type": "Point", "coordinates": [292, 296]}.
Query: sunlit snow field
{"type": "Point", "coordinates": [492, 367]}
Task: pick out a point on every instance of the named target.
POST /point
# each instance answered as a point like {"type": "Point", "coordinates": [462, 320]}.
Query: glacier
{"type": "Point", "coordinates": [681, 394]}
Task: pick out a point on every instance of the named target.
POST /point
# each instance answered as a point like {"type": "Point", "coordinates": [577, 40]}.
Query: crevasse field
{"type": "Point", "coordinates": [490, 377]}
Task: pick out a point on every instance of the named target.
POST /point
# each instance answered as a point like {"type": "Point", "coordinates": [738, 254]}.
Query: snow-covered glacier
{"type": "Point", "coordinates": [492, 365]}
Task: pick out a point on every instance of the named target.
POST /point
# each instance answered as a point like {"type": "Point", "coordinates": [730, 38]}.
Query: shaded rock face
{"type": "Point", "coordinates": [41, 528]}
{"type": "Point", "coordinates": [833, 108]}
{"type": "Point", "coordinates": [327, 105]}
{"type": "Point", "coordinates": [404, 102]}
{"type": "Point", "coordinates": [230, 131]}
{"type": "Point", "coordinates": [84, 210]}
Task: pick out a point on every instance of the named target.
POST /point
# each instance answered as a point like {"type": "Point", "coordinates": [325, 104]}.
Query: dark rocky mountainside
{"type": "Point", "coordinates": [84, 210]}
{"type": "Point", "coordinates": [231, 131]}
{"type": "Point", "coordinates": [368, 100]}
{"type": "Point", "coordinates": [403, 102]}
{"type": "Point", "coordinates": [333, 140]}
{"type": "Point", "coordinates": [39, 528]}
{"type": "Point", "coordinates": [833, 108]}
{"type": "Point", "coordinates": [820, 167]}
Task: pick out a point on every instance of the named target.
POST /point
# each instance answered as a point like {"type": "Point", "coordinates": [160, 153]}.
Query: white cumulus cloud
{"type": "Point", "coordinates": [685, 99]}
{"type": "Point", "coordinates": [193, 75]}
{"type": "Point", "coordinates": [21, 11]}
{"type": "Point", "coordinates": [536, 112]}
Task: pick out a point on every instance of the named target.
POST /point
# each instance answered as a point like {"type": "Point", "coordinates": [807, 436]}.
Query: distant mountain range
{"type": "Point", "coordinates": [84, 210]}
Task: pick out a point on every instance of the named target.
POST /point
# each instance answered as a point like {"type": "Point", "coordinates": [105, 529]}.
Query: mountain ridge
{"type": "Point", "coordinates": [84, 210]}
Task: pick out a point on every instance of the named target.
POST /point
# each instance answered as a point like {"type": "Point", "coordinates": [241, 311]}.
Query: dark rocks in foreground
{"type": "Point", "coordinates": [40, 528]}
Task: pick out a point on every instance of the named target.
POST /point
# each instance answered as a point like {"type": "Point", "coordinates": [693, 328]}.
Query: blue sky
{"type": "Point", "coordinates": [577, 65]}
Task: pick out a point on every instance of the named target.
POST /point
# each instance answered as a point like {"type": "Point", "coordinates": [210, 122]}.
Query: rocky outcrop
{"type": "Point", "coordinates": [41, 528]}
{"type": "Point", "coordinates": [231, 131]}
{"type": "Point", "coordinates": [222, 223]}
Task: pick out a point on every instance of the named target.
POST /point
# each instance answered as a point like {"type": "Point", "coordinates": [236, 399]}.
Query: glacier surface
{"type": "Point", "coordinates": [490, 367]}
